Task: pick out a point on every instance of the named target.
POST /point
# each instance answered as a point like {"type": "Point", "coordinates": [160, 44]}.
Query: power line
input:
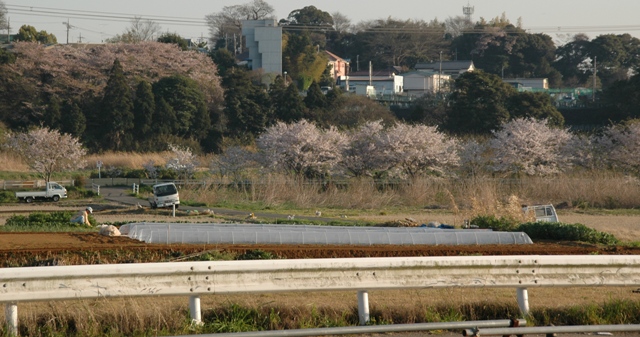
{"type": "Point", "coordinates": [199, 22]}
{"type": "Point", "coordinates": [104, 16]}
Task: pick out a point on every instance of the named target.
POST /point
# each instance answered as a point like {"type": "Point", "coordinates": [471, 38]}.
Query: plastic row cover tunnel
{"type": "Point", "coordinates": [167, 233]}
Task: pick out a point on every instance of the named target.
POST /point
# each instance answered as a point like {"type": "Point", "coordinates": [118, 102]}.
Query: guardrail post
{"type": "Point", "coordinates": [11, 318]}
{"type": "Point", "coordinates": [194, 307]}
{"type": "Point", "coordinates": [523, 300]}
{"type": "Point", "coordinates": [363, 307]}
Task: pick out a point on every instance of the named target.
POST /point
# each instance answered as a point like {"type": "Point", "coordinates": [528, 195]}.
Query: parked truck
{"type": "Point", "coordinates": [53, 191]}
{"type": "Point", "coordinates": [165, 195]}
{"type": "Point", "coordinates": [543, 213]}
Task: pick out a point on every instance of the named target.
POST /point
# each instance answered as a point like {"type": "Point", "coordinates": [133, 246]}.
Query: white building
{"type": "Point", "coordinates": [421, 82]}
{"type": "Point", "coordinates": [264, 41]}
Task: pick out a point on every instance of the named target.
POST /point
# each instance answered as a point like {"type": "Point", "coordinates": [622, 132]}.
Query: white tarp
{"type": "Point", "coordinates": [306, 234]}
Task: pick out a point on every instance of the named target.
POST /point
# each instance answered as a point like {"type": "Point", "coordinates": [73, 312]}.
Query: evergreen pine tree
{"type": "Point", "coordinates": [117, 111]}
{"type": "Point", "coordinates": [52, 114]}
{"type": "Point", "coordinates": [143, 109]}
{"type": "Point", "coordinates": [73, 120]}
{"type": "Point", "coordinates": [315, 98]}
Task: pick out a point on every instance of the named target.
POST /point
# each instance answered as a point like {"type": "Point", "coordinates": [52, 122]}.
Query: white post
{"type": "Point", "coordinates": [11, 318]}
{"type": "Point", "coordinates": [174, 210]}
{"type": "Point", "coordinates": [363, 307]}
{"type": "Point", "coordinates": [523, 300]}
{"type": "Point", "coordinates": [194, 307]}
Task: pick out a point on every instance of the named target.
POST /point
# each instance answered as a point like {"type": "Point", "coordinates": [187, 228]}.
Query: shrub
{"type": "Point", "coordinates": [256, 254]}
{"type": "Point", "coordinates": [7, 196]}
{"type": "Point", "coordinates": [54, 221]}
{"type": "Point", "coordinates": [566, 232]}
{"type": "Point", "coordinates": [491, 222]}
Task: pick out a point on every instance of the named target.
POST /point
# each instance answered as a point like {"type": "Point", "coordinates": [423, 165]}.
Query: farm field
{"type": "Point", "coordinates": [626, 228]}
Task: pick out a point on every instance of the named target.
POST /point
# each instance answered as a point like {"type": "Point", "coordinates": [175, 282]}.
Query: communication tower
{"type": "Point", "coordinates": [468, 11]}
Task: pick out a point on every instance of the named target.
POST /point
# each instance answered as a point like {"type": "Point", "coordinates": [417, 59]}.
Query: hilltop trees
{"type": "Point", "coordinates": [34, 89]}
{"type": "Point", "coordinates": [28, 33]}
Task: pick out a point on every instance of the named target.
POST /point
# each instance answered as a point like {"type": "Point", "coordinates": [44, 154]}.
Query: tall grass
{"type": "Point", "coordinates": [162, 316]}
{"type": "Point", "coordinates": [129, 160]}
{"type": "Point", "coordinates": [480, 195]}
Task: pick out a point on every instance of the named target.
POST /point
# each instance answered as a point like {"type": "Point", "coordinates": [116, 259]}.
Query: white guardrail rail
{"type": "Point", "coordinates": [360, 275]}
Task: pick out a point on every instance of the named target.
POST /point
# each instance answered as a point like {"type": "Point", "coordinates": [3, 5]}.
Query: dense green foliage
{"type": "Point", "coordinates": [566, 232]}
{"type": "Point", "coordinates": [555, 231]}
{"type": "Point", "coordinates": [44, 222]}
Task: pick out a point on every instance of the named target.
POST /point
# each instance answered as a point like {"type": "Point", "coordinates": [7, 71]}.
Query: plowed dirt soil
{"type": "Point", "coordinates": [39, 244]}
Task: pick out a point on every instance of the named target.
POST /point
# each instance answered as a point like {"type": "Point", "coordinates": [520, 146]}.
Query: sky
{"type": "Point", "coordinates": [94, 21]}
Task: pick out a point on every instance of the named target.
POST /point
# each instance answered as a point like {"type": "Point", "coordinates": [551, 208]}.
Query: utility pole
{"type": "Point", "coordinates": [595, 71]}
{"type": "Point", "coordinates": [440, 74]}
{"type": "Point", "coordinates": [68, 28]}
{"type": "Point", "coordinates": [9, 30]}
{"type": "Point", "coordinates": [357, 62]}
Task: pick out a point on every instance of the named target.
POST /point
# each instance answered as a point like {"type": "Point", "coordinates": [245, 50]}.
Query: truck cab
{"type": "Point", "coordinates": [165, 195]}
{"type": "Point", "coordinates": [543, 213]}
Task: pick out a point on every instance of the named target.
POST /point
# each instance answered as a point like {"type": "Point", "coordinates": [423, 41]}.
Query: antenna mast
{"type": "Point", "coordinates": [468, 11]}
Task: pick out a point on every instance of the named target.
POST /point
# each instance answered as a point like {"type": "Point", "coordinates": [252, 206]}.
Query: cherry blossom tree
{"type": "Point", "coordinates": [301, 148]}
{"type": "Point", "coordinates": [47, 151]}
{"type": "Point", "coordinates": [358, 156]}
{"type": "Point", "coordinates": [411, 150]}
{"type": "Point", "coordinates": [232, 163]}
{"type": "Point", "coordinates": [620, 145]}
{"type": "Point", "coordinates": [473, 157]}
{"type": "Point", "coordinates": [182, 160]}
{"type": "Point", "coordinates": [531, 147]}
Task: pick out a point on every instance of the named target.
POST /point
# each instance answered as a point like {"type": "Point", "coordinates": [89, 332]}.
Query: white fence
{"type": "Point", "coordinates": [360, 275]}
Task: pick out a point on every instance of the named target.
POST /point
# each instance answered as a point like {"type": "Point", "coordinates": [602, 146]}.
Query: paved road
{"type": "Point", "coordinates": [122, 195]}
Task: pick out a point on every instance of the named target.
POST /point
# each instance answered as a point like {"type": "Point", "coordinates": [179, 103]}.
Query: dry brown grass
{"type": "Point", "coordinates": [130, 160]}
{"type": "Point", "coordinates": [9, 162]}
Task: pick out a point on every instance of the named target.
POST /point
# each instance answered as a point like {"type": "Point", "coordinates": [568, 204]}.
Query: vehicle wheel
{"type": "Point", "coordinates": [154, 205]}
{"type": "Point", "coordinates": [56, 198]}
{"type": "Point", "coordinates": [28, 200]}
{"type": "Point", "coordinates": [177, 206]}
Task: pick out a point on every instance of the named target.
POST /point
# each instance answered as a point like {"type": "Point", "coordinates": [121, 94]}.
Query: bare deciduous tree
{"type": "Point", "coordinates": [47, 151]}
{"type": "Point", "coordinates": [341, 23]}
{"type": "Point", "coordinates": [138, 31]}
{"type": "Point", "coordinates": [3, 15]}
{"type": "Point", "coordinates": [229, 19]}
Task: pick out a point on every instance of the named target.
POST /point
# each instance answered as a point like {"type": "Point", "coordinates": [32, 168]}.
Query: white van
{"type": "Point", "coordinates": [165, 195]}
{"type": "Point", "coordinates": [543, 213]}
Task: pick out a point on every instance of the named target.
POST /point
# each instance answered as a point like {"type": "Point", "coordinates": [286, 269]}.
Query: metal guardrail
{"type": "Point", "coordinates": [269, 276]}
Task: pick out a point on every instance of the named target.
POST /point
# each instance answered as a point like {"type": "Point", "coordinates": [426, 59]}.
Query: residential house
{"type": "Point", "coordinates": [338, 65]}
